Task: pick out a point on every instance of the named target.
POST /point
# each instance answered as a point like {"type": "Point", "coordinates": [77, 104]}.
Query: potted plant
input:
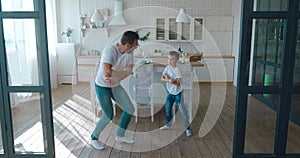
{"type": "Point", "coordinates": [68, 33]}
{"type": "Point", "coordinates": [145, 37]}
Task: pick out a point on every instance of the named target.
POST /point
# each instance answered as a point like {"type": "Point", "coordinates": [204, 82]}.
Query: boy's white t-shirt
{"type": "Point", "coordinates": [112, 55]}
{"type": "Point", "coordinates": [173, 73]}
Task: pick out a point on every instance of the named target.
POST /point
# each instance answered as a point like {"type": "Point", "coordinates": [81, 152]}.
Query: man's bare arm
{"type": "Point", "coordinates": [113, 77]}
{"type": "Point", "coordinates": [120, 75]}
{"type": "Point", "coordinates": [107, 72]}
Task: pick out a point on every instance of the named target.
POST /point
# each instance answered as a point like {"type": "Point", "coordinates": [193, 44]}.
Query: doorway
{"type": "Point", "coordinates": [268, 80]}
{"type": "Point", "coordinates": [26, 108]}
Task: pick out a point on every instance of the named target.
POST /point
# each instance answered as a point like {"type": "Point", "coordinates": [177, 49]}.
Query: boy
{"type": "Point", "coordinates": [172, 76]}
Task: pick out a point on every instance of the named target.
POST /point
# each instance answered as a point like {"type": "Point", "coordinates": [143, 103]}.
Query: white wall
{"type": "Point", "coordinates": [68, 16]}
{"type": "Point", "coordinates": [139, 14]}
{"type": "Point", "coordinates": [193, 7]}
{"type": "Point", "coordinates": [236, 12]}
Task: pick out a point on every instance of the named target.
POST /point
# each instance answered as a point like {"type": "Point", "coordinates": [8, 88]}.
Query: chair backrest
{"type": "Point", "coordinates": [157, 92]}
{"type": "Point", "coordinates": [184, 67]}
{"type": "Point", "coordinates": [142, 80]}
{"type": "Point", "coordinates": [94, 99]}
{"type": "Point", "coordinates": [187, 79]}
{"type": "Point", "coordinates": [186, 82]}
{"type": "Point", "coordinates": [143, 75]}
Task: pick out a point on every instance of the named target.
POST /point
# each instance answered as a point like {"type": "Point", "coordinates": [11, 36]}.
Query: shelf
{"type": "Point", "coordinates": [86, 30]}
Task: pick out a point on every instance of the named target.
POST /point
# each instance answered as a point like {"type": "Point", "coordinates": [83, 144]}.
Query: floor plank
{"type": "Point", "coordinates": [73, 124]}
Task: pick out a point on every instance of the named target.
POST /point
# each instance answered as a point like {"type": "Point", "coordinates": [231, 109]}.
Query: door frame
{"type": "Point", "coordinates": [45, 89]}
{"type": "Point", "coordinates": [285, 90]}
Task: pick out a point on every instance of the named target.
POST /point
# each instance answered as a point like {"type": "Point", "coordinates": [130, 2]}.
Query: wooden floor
{"type": "Point", "coordinates": [73, 124]}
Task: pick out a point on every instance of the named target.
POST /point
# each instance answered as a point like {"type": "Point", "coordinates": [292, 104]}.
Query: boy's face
{"type": "Point", "coordinates": [172, 60]}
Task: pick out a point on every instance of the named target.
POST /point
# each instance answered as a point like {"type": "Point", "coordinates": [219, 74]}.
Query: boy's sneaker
{"type": "Point", "coordinates": [95, 144]}
{"type": "Point", "coordinates": [124, 140]}
{"type": "Point", "coordinates": [188, 133]}
{"type": "Point", "coordinates": [165, 127]}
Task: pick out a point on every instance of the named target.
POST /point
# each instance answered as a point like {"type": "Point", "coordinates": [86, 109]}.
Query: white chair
{"type": "Point", "coordinates": [142, 80]}
{"type": "Point", "coordinates": [157, 93]}
{"type": "Point", "coordinates": [187, 84]}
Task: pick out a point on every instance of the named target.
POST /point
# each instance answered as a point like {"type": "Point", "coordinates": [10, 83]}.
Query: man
{"type": "Point", "coordinates": [116, 64]}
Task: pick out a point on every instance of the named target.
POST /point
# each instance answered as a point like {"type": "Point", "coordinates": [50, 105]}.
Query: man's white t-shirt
{"type": "Point", "coordinates": [112, 55]}
{"type": "Point", "coordinates": [173, 73]}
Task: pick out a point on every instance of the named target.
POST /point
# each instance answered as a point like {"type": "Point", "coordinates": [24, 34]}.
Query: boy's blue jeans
{"type": "Point", "coordinates": [169, 104]}
{"type": "Point", "coordinates": [118, 94]}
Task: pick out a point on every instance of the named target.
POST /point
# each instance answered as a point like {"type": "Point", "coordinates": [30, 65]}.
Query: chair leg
{"type": "Point", "coordinates": [152, 112]}
{"type": "Point", "coordinates": [95, 113]}
{"type": "Point", "coordinates": [190, 111]}
{"type": "Point", "coordinates": [114, 108]}
{"type": "Point", "coordinates": [174, 112]}
{"type": "Point", "coordinates": [136, 114]}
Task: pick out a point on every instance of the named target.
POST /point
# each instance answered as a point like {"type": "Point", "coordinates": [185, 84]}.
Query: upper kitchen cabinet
{"type": "Point", "coordinates": [160, 29]}
{"type": "Point", "coordinates": [219, 30]}
{"type": "Point", "coordinates": [197, 29]}
{"type": "Point", "coordinates": [173, 29]}
{"type": "Point", "coordinates": [185, 31]}
{"type": "Point", "coordinates": [167, 29]}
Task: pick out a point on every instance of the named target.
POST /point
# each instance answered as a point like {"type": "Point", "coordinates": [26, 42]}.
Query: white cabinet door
{"type": "Point", "coordinates": [167, 29]}
{"type": "Point", "coordinates": [85, 73]}
{"type": "Point", "coordinates": [86, 66]}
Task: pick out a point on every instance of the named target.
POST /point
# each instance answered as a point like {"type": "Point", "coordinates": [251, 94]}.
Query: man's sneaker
{"type": "Point", "coordinates": [188, 133]}
{"type": "Point", "coordinates": [95, 144]}
{"type": "Point", "coordinates": [124, 140]}
{"type": "Point", "coordinates": [165, 127]}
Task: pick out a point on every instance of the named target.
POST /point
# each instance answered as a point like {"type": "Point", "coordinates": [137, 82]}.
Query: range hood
{"type": "Point", "coordinates": [118, 17]}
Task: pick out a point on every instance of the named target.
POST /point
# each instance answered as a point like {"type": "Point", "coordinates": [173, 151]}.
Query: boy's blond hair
{"type": "Point", "coordinates": [174, 53]}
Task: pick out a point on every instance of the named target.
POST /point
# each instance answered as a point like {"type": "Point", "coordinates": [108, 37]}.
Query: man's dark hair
{"type": "Point", "coordinates": [129, 37]}
{"type": "Point", "coordinates": [174, 53]}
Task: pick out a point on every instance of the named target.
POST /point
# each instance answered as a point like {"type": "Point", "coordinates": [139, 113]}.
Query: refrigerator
{"type": "Point", "coordinates": [66, 63]}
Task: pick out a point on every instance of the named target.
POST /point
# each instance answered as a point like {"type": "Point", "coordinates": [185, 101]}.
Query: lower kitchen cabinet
{"type": "Point", "coordinates": [215, 70]}
{"type": "Point", "coordinates": [86, 67]}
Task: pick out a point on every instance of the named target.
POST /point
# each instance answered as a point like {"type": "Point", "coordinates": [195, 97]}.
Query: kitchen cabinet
{"type": "Point", "coordinates": [173, 29]}
{"type": "Point", "coordinates": [215, 69]}
{"type": "Point", "coordinates": [86, 67]}
{"type": "Point", "coordinates": [197, 29]}
{"type": "Point", "coordinates": [160, 29]}
{"type": "Point", "coordinates": [219, 29]}
{"type": "Point", "coordinates": [167, 29]}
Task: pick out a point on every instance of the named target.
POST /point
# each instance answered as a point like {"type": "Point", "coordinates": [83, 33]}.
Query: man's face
{"type": "Point", "coordinates": [132, 47]}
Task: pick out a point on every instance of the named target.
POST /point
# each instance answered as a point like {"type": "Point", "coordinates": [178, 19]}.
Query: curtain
{"type": "Point", "coordinates": [52, 40]}
{"type": "Point", "coordinates": [20, 42]}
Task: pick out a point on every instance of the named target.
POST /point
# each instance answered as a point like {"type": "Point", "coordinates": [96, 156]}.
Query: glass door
{"type": "Point", "coordinates": [160, 29]}
{"type": "Point", "coordinates": [173, 29]}
{"type": "Point", "coordinates": [26, 108]}
{"type": "Point", "coordinates": [198, 29]}
{"type": "Point", "coordinates": [267, 114]}
{"type": "Point", "coordinates": [293, 137]}
{"type": "Point", "coordinates": [1, 142]}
